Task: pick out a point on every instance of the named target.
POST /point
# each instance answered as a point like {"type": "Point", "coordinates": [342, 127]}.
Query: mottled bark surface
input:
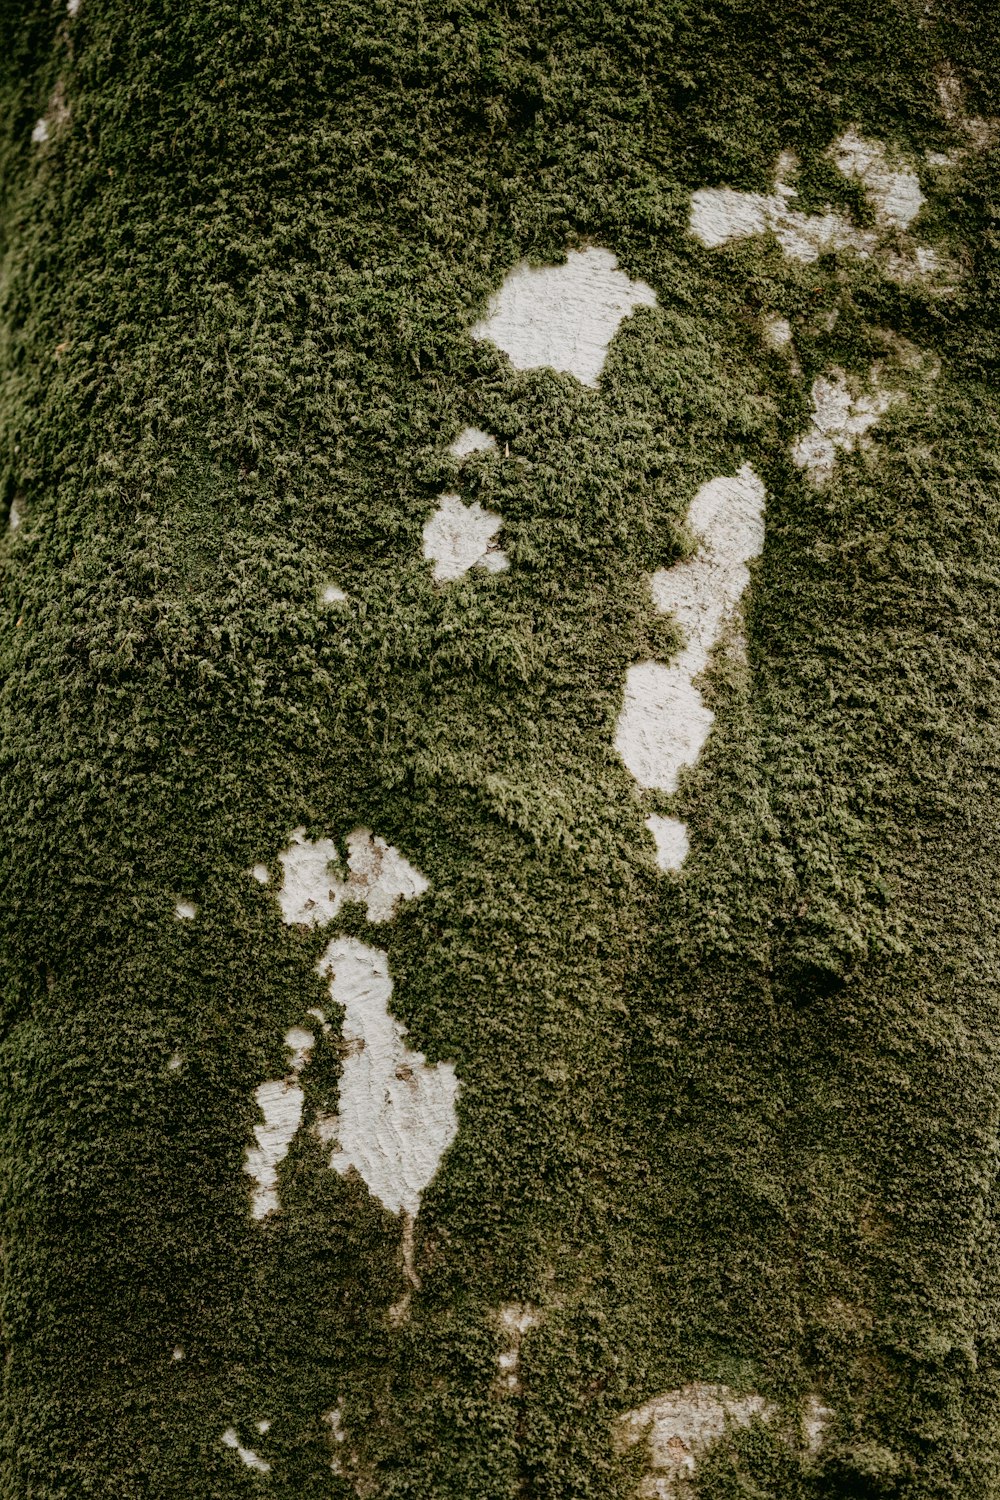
{"type": "Point", "coordinates": [498, 835]}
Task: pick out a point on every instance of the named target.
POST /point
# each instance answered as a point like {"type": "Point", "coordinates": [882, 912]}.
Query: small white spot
{"type": "Point", "coordinates": [40, 134]}
{"type": "Point", "coordinates": [672, 843]}
{"type": "Point", "coordinates": [72, 6]}
{"type": "Point", "coordinates": [14, 516]}
{"type": "Point", "coordinates": [778, 332]}
{"type": "Point", "coordinates": [563, 317]}
{"type": "Point", "coordinates": [185, 911]}
{"type": "Point", "coordinates": [177, 1352]}
{"type": "Point", "coordinates": [174, 1062]}
{"type": "Point", "coordinates": [472, 440]}
{"type": "Point", "coordinates": [459, 537]}
{"type": "Point", "coordinates": [263, 1426]}
{"type": "Point", "coordinates": [816, 1419]}
{"type": "Point", "coordinates": [334, 595]}
{"type": "Point", "coordinates": [231, 1440]}
{"type": "Point", "coordinates": [261, 874]}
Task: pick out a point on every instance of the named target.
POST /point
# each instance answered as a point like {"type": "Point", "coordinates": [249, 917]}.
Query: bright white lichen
{"type": "Point", "coordinates": [563, 317]}
{"type": "Point", "coordinates": [396, 1113]}
{"type": "Point", "coordinates": [721, 215]}
{"type": "Point", "coordinates": [231, 1440]}
{"type": "Point", "coordinates": [840, 421]}
{"type": "Point", "coordinates": [680, 1426]}
{"type": "Point", "coordinates": [280, 1102]}
{"type": "Point", "coordinates": [185, 911]}
{"type": "Point", "coordinates": [472, 440]}
{"type": "Point", "coordinates": [665, 722]}
{"type": "Point", "coordinates": [459, 537]}
{"type": "Point", "coordinates": [316, 886]}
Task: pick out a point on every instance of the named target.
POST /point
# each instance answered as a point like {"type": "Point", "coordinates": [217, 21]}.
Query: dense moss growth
{"type": "Point", "coordinates": [739, 1125]}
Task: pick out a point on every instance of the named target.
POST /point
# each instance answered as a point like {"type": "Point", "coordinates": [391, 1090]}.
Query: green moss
{"type": "Point", "coordinates": [739, 1126]}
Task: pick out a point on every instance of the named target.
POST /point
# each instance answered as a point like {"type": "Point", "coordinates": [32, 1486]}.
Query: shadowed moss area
{"type": "Point", "coordinates": [738, 1125]}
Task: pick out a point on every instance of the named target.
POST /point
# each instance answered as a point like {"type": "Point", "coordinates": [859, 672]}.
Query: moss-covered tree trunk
{"type": "Point", "coordinates": [499, 766]}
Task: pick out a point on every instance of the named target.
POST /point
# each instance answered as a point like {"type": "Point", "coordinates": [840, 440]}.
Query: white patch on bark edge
{"type": "Point", "coordinates": [459, 537]}
{"type": "Point", "coordinates": [563, 317]}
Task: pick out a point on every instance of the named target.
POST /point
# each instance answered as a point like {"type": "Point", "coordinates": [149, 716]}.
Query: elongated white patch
{"type": "Point", "coordinates": [316, 885]}
{"type": "Point", "coordinates": [459, 537]}
{"type": "Point", "coordinates": [516, 1319]}
{"type": "Point", "coordinates": [40, 133]}
{"type": "Point", "coordinates": [840, 421]}
{"type": "Point", "coordinates": [14, 515]}
{"type": "Point", "coordinates": [231, 1440]}
{"type": "Point", "coordinates": [680, 1426]}
{"type": "Point", "coordinates": [472, 440]}
{"type": "Point", "coordinates": [396, 1113]}
{"type": "Point", "coordinates": [280, 1102]}
{"type": "Point", "coordinates": [563, 317]}
{"type": "Point", "coordinates": [665, 722]}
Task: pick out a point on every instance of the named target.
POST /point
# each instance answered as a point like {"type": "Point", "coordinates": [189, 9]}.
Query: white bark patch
{"type": "Point", "coordinates": [778, 332]}
{"type": "Point", "coordinates": [459, 537]}
{"type": "Point", "coordinates": [681, 1425]}
{"type": "Point", "coordinates": [174, 1062]}
{"type": "Point", "coordinates": [563, 317]}
{"type": "Point", "coordinates": [316, 885]}
{"type": "Point", "coordinates": [722, 215]}
{"type": "Point", "coordinates": [72, 6]}
{"type": "Point", "coordinates": [894, 192]}
{"type": "Point", "coordinates": [231, 1440]}
{"type": "Point", "coordinates": [516, 1318]}
{"type": "Point", "coordinates": [185, 911]}
{"type": "Point", "coordinates": [665, 722]}
{"type": "Point", "coordinates": [671, 838]}
{"type": "Point", "coordinates": [472, 440]}
{"type": "Point", "coordinates": [14, 516]}
{"type": "Point", "coordinates": [396, 1113]}
{"type": "Point", "coordinates": [261, 874]}
{"type": "Point", "coordinates": [334, 1420]}
{"type": "Point", "coordinates": [40, 133]}
{"type": "Point", "coordinates": [840, 422]}
{"type": "Point", "coordinates": [334, 595]}
{"type": "Point", "coordinates": [280, 1102]}
{"type": "Point", "coordinates": [816, 1419]}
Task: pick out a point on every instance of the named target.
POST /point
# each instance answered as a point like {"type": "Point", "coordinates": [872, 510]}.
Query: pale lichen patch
{"type": "Point", "coordinates": [459, 537]}
{"type": "Point", "coordinates": [261, 874]}
{"type": "Point", "coordinates": [280, 1101]}
{"type": "Point", "coordinates": [664, 721]}
{"type": "Point", "coordinates": [231, 1440]}
{"type": "Point", "coordinates": [671, 838]}
{"type": "Point", "coordinates": [472, 440]}
{"type": "Point", "coordinates": [396, 1112]}
{"type": "Point", "coordinates": [563, 317]}
{"type": "Point", "coordinates": [894, 192]}
{"type": "Point", "coordinates": [316, 886]}
{"type": "Point", "coordinates": [841, 420]}
{"type": "Point", "coordinates": [679, 1427]}
{"type": "Point", "coordinates": [185, 911]}
{"type": "Point", "coordinates": [332, 594]}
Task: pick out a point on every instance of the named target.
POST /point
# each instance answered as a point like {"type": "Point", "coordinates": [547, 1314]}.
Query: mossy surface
{"type": "Point", "coordinates": [738, 1126]}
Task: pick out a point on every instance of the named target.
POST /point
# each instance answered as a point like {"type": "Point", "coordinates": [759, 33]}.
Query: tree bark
{"type": "Point", "coordinates": [498, 750]}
